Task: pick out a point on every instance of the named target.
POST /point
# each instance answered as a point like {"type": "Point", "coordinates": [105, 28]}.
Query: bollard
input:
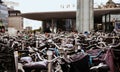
{"type": "Point", "coordinates": [37, 43]}
{"type": "Point", "coordinates": [16, 60]}
{"type": "Point", "coordinates": [113, 40]}
{"type": "Point", "coordinates": [49, 54]}
{"type": "Point", "coordinates": [22, 45]}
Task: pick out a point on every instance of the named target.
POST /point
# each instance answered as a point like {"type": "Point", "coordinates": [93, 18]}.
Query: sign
{"type": "Point", "coordinates": [117, 26]}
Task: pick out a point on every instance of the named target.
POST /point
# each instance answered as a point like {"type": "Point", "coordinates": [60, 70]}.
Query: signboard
{"type": "Point", "coordinates": [117, 26]}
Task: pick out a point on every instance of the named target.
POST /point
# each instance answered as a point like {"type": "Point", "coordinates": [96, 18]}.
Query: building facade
{"type": "Point", "coordinates": [104, 18]}
{"type": "Point", "coordinates": [3, 16]}
{"type": "Point", "coordinates": [15, 20]}
{"type": "Point", "coordinates": [59, 25]}
{"type": "Point", "coordinates": [28, 29]}
{"type": "Point", "coordinates": [106, 22]}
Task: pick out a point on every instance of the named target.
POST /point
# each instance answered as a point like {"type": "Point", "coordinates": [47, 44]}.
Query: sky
{"type": "Point", "coordinates": [27, 6]}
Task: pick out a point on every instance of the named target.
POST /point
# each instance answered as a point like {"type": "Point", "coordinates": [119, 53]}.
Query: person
{"type": "Point", "coordinates": [19, 34]}
{"type": "Point", "coordinates": [86, 33]}
{"type": "Point", "coordinates": [47, 30]}
{"type": "Point", "coordinates": [2, 29]}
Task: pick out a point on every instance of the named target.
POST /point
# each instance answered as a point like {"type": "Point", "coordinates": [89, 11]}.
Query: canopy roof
{"type": "Point", "coordinates": [66, 14]}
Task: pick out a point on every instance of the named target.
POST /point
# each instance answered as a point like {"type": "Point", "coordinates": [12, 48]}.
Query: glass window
{"type": "Point", "coordinates": [115, 17]}
{"type": "Point", "coordinates": [103, 18]}
{"type": "Point", "coordinates": [108, 18]}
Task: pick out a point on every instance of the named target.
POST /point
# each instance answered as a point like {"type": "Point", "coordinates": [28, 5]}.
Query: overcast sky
{"type": "Point", "coordinates": [50, 5]}
{"type": "Point", "coordinates": [26, 6]}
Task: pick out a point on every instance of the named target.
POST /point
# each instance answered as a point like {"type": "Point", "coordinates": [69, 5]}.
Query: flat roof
{"type": "Point", "coordinates": [66, 14]}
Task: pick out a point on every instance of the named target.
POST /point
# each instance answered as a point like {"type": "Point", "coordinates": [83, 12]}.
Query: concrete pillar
{"type": "Point", "coordinates": [73, 24]}
{"type": "Point", "coordinates": [43, 26]}
{"type": "Point", "coordinates": [52, 26]}
{"type": "Point", "coordinates": [84, 15]}
{"type": "Point", "coordinates": [91, 16]}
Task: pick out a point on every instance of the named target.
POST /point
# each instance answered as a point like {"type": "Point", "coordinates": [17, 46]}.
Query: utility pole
{"type": "Point", "coordinates": [84, 15]}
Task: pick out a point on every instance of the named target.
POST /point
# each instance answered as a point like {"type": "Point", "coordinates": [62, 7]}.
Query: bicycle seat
{"type": "Point", "coordinates": [26, 59]}
{"type": "Point", "coordinates": [36, 65]}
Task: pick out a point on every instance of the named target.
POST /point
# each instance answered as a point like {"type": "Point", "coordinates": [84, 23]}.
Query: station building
{"type": "Point", "coordinates": [104, 18]}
